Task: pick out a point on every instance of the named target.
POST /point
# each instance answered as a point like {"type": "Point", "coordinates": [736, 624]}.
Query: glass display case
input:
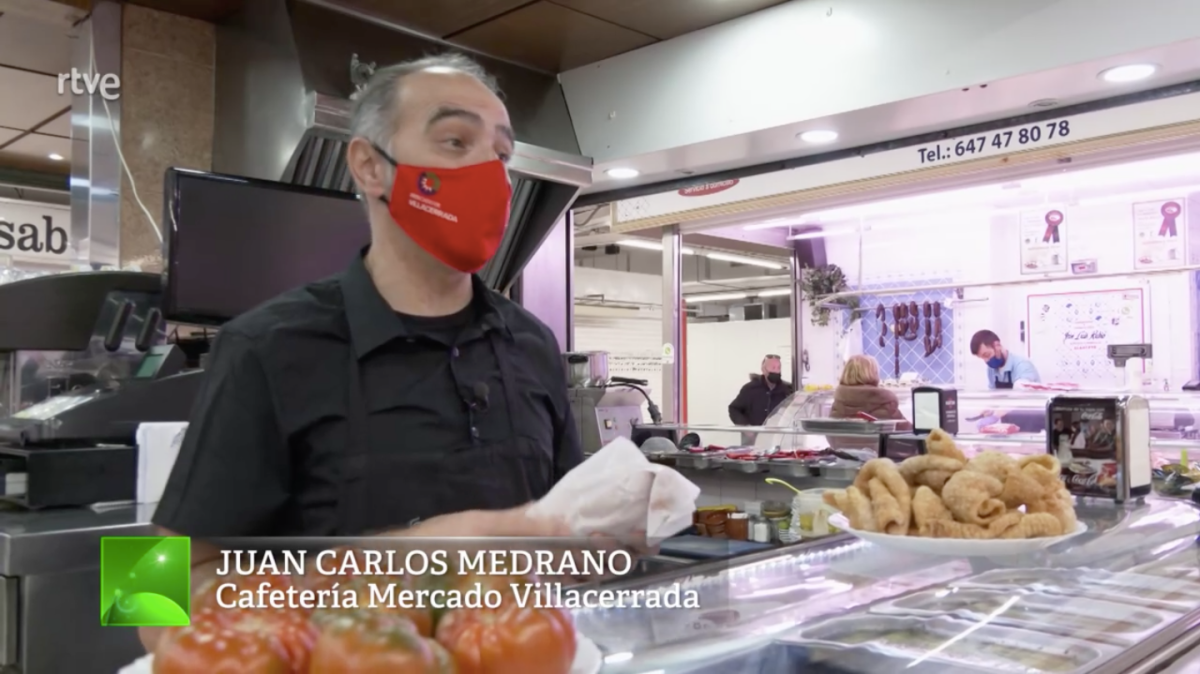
{"type": "Point", "coordinates": [1109, 600]}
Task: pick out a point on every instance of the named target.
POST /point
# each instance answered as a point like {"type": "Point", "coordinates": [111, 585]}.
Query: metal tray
{"type": "Point", "coordinates": [792, 468]}
{"type": "Point", "coordinates": [1133, 588]}
{"type": "Point", "coordinates": [1180, 566]}
{"type": "Point", "coordinates": [736, 466]}
{"type": "Point", "coordinates": [989, 647]}
{"type": "Point", "coordinates": [847, 426]}
{"type": "Point", "coordinates": [1077, 617]}
{"type": "Point", "coordinates": [696, 461]}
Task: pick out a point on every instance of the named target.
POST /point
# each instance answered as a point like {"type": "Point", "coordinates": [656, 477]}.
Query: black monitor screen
{"type": "Point", "coordinates": [234, 243]}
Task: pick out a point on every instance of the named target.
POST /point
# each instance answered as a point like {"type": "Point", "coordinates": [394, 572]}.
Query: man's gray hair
{"type": "Point", "coordinates": [375, 110]}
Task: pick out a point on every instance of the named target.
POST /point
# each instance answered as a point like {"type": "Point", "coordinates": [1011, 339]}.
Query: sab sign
{"type": "Point", "coordinates": [29, 229]}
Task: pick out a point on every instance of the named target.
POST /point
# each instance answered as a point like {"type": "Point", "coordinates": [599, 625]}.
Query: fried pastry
{"type": "Point", "coordinates": [1060, 505]}
{"type": "Point", "coordinates": [973, 498]}
{"type": "Point", "coordinates": [939, 443]}
{"type": "Point", "coordinates": [928, 508]}
{"type": "Point", "coordinates": [995, 464]}
{"type": "Point", "coordinates": [854, 505]}
{"type": "Point", "coordinates": [890, 515]}
{"type": "Point", "coordinates": [1021, 525]}
{"type": "Point", "coordinates": [891, 497]}
{"type": "Point", "coordinates": [952, 529]}
{"type": "Point", "coordinates": [929, 470]}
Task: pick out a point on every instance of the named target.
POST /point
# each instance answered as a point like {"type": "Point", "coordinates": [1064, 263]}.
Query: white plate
{"type": "Point", "coordinates": [954, 547]}
{"type": "Point", "coordinates": [588, 659]}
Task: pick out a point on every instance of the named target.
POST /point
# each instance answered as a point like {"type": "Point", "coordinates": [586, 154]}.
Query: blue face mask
{"type": "Point", "coordinates": [995, 362]}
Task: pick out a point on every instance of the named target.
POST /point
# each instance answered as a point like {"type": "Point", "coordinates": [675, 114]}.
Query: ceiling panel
{"type": "Point", "coordinates": [37, 101]}
{"type": "Point", "coordinates": [213, 11]}
{"type": "Point", "coordinates": [59, 126]}
{"type": "Point", "coordinates": [440, 17]}
{"type": "Point", "coordinates": [665, 19]}
{"type": "Point", "coordinates": [551, 37]}
{"type": "Point", "coordinates": [8, 134]}
{"type": "Point", "coordinates": [34, 45]}
{"type": "Point", "coordinates": [40, 146]}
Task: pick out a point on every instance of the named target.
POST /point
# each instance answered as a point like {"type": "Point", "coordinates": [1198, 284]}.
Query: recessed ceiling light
{"type": "Point", "coordinates": [738, 259]}
{"type": "Point", "coordinates": [715, 297]}
{"type": "Point", "coordinates": [56, 157]}
{"type": "Point", "coordinates": [1129, 73]}
{"type": "Point", "coordinates": [819, 136]}
{"type": "Point", "coordinates": [650, 245]}
{"type": "Point", "coordinates": [622, 173]}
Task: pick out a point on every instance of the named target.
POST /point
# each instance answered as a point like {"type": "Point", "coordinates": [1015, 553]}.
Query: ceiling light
{"type": "Point", "coordinates": [757, 262]}
{"type": "Point", "coordinates": [56, 156]}
{"type": "Point", "coordinates": [1130, 73]}
{"type": "Point", "coordinates": [819, 136]}
{"type": "Point", "coordinates": [621, 173]}
{"type": "Point", "coordinates": [718, 297]}
{"type": "Point", "coordinates": [650, 245]}
{"type": "Point", "coordinates": [777, 292]}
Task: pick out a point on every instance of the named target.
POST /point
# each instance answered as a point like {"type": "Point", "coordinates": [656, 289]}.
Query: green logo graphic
{"type": "Point", "coordinates": [145, 581]}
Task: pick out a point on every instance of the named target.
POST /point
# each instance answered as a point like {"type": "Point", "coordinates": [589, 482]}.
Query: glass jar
{"type": "Point", "coordinates": [737, 527]}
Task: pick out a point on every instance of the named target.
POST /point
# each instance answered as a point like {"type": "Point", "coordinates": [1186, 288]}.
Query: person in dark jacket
{"type": "Point", "coordinates": [761, 395]}
{"type": "Point", "coordinates": [859, 391]}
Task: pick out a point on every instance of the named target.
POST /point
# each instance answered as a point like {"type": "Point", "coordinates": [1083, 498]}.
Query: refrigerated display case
{"type": "Point", "coordinates": [1122, 597]}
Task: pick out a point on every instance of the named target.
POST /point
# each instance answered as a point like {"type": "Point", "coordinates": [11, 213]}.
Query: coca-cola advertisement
{"type": "Point", "coordinates": [1084, 436]}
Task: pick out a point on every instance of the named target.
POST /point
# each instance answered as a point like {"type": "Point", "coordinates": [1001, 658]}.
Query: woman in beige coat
{"type": "Point", "coordinates": [859, 391]}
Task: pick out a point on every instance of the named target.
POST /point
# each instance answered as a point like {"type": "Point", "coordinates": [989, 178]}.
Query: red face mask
{"type": "Point", "coordinates": [456, 215]}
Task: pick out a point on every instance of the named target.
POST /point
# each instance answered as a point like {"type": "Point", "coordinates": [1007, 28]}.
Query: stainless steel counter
{"type": "Point", "coordinates": [50, 590]}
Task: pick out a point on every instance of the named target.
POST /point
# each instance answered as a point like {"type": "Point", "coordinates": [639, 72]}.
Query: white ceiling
{"type": "Point", "coordinates": [35, 120]}
{"type": "Point", "coordinates": [1067, 85]}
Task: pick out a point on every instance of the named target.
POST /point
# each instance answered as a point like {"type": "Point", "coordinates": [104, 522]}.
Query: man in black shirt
{"type": "Point", "coordinates": [758, 398]}
{"type": "Point", "coordinates": [402, 393]}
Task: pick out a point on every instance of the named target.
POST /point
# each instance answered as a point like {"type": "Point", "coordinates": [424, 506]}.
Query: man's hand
{"type": "Point", "coordinates": [514, 523]}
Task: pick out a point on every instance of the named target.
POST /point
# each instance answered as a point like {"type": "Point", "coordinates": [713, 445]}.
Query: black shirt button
{"type": "Point", "coordinates": [474, 432]}
{"type": "Point", "coordinates": [454, 352]}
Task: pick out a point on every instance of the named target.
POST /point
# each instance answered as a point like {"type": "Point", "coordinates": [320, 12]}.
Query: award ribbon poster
{"type": "Point", "coordinates": [1158, 234]}
{"type": "Point", "coordinates": [145, 581]}
{"type": "Point", "coordinates": [1043, 241]}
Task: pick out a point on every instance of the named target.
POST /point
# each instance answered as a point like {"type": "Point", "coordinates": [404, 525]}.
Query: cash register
{"type": "Point", "coordinates": [87, 362]}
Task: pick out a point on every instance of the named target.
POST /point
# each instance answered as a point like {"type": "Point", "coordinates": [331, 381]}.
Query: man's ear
{"type": "Point", "coordinates": [368, 169]}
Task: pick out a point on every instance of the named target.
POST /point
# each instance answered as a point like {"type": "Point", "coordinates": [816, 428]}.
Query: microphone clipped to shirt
{"type": "Point", "coordinates": [477, 401]}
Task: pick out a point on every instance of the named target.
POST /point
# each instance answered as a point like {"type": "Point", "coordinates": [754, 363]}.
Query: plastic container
{"type": "Point", "coordinates": [810, 515]}
{"type": "Point", "coordinates": [760, 531]}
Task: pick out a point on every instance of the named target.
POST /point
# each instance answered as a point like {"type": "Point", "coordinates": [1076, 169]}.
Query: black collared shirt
{"type": "Point", "coordinates": [265, 451]}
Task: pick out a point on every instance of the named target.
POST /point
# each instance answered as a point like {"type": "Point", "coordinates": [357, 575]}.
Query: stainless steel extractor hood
{"type": "Point", "coordinates": [286, 73]}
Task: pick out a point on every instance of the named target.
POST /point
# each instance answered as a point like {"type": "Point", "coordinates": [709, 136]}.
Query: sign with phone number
{"type": "Point", "coordinates": [996, 142]}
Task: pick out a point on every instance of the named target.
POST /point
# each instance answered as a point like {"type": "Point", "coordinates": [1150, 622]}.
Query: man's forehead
{"type": "Point", "coordinates": [435, 88]}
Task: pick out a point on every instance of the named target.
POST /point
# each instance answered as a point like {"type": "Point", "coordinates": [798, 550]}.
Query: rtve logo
{"type": "Point", "coordinates": [107, 85]}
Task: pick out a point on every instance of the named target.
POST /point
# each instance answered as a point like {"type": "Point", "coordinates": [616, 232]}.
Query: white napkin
{"type": "Point", "coordinates": [158, 447]}
{"type": "Point", "coordinates": [618, 492]}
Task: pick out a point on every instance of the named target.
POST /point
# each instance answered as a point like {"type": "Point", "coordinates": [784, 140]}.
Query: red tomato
{"type": "Point", "coordinates": [290, 632]}
{"type": "Point", "coordinates": [509, 640]}
{"type": "Point", "coordinates": [211, 648]}
{"type": "Point", "coordinates": [367, 644]}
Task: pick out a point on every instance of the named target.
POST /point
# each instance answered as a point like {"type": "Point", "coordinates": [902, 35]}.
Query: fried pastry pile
{"type": "Point", "coordinates": [942, 494]}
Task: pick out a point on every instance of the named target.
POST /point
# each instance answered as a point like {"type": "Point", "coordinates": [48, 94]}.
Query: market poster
{"type": "Point", "coordinates": [1043, 241]}
{"type": "Point", "coordinates": [1158, 234]}
{"type": "Point", "coordinates": [1069, 334]}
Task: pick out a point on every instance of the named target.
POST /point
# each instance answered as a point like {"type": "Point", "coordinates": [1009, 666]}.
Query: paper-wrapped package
{"type": "Point", "coordinates": [619, 493]}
